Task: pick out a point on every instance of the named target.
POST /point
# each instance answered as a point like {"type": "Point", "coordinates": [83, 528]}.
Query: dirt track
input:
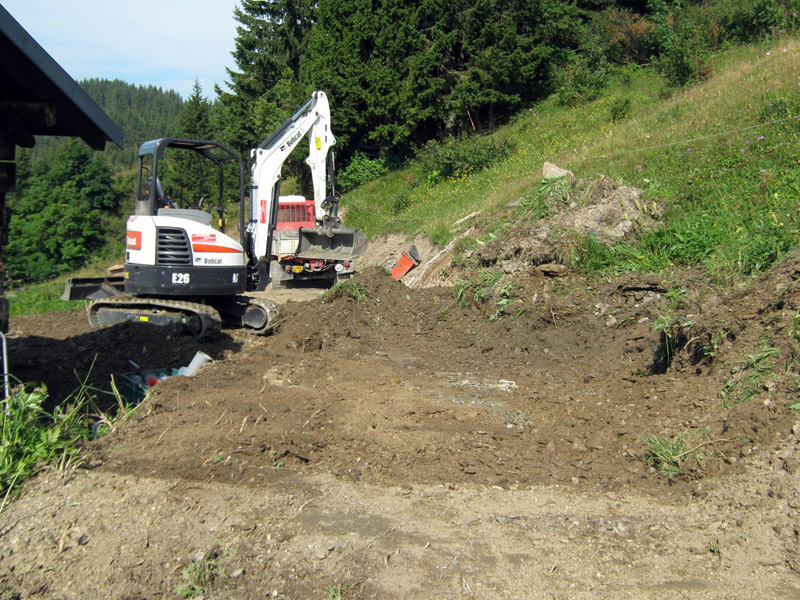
{"type": "Point", "coordinates": [400, 450]}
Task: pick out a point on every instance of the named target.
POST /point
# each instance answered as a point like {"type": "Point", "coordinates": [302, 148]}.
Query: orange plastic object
{"type": "Point", "coordinates": [403, 266]}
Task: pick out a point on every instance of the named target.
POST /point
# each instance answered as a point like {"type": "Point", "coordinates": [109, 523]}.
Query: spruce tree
{"type": "Point", "coordinates": [269, 51]}
{"type": "Point", "coordinates": [191, 177]}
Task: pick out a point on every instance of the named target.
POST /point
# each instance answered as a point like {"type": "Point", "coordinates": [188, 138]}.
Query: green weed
{"type": "Point", "coordinates": [506, 297]}
{"type": "Point", "coordinates": [666, 455]}
{"type": "Point", "coordinates": [711, 348]}
{"type": "Point", "coordinates": [480, 288]}
{"type": "Point", "coordinates": [108, 421]}
{"type": "Point", "coordinates": [335, 592]}
{"type": "Point", "coordinates": [198, 575]}
{"type": "Point", "coordinates": [33, 438]}
{"type": "Point", "coordinates": [747, 379]}
{"type": "Point", "coordinates": [353, 289]}
{"type": "Point", "coordinates": [671, 335]}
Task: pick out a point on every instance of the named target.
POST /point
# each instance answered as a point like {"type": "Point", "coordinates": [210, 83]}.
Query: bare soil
{"type": "Point", "coordinates": [406, 447]}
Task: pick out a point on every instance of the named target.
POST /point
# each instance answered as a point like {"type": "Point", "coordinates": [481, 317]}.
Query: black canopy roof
{"type": "Point", "coordinates": [37, 97]}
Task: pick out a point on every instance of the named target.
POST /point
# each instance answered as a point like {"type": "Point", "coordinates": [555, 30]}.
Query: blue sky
{"type": "Point", "coordinates": [167, 43]}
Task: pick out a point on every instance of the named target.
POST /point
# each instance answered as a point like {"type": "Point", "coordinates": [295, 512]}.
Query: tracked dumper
{"type": "Point", "coordinates": [182, 272]}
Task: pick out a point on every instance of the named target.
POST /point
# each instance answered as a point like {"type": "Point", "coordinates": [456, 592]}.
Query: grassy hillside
{"type": "Point", "coordinates": [720, 158]}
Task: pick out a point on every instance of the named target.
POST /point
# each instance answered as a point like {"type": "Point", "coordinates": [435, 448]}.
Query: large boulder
{"type": "Point", "coordinates": [551, 171]}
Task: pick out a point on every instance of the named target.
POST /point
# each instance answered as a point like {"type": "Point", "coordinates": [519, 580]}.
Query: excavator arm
{"type": "Point", "coordinates": [314, 120]}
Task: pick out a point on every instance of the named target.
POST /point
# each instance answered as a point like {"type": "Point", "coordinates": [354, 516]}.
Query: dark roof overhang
{"type": "Point", "coordinates": [37, 97]}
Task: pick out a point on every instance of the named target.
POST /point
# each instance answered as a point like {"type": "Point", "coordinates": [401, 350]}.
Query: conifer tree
{"type": "Point", "coordinates": [269, 51]}
{"type": "Point", "coordinates": [191, 177]}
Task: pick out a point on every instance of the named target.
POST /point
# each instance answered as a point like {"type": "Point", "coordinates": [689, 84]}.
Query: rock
{"type": "Point", "coordinates": [320, 550]}
{"type": "Point", "coordinates": [551, 171]}
{"type": "Point", "coordinates": [553, 269]}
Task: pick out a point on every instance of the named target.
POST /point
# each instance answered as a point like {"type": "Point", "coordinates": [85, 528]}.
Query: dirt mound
{"type": "Point", "coordinates": [603, 208]}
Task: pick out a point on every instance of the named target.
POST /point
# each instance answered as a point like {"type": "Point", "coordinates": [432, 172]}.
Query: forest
{"type": "Point", "coordinates": [404, 78]}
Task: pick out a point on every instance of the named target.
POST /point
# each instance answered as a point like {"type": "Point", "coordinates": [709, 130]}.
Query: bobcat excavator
{"type": "Point", "coordinates": [182, 272]}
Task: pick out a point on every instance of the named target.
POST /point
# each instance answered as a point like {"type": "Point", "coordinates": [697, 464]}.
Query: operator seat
{"type": "Point", "coordinates": [162, 200]}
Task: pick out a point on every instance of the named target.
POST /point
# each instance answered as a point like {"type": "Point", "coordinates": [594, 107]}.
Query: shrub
{"type": "Point", "coordinates": [459, 157]}
{"type": "Point", "coordinates": [683, 62]}
{"type": "Point", "coordinates": [628, 38]}
{"type": "Point", "coordinates": [583, 78]}
{"type": "Point", "coordinates": [620, 108]}
{"type": "Point", "coordinates": [360, 170]}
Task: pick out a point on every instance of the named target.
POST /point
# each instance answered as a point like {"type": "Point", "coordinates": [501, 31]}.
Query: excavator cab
{"type": "Point", "coordinates": [150, 194]}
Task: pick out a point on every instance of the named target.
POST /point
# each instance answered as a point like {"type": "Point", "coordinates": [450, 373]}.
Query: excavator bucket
{"type": "Point", "coordinates": [93, 288]}
{"type": "Point", "coordinates": [337, 243]}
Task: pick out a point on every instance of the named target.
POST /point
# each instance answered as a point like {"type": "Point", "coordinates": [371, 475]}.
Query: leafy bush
{"type": "Point", "coordinates": [627, 36]}
{"type": "Point", "coordinates": [750, 20]}
{"type": "Point", "coordinates": [683, 63]}
{"type": "Point", "coordinates": [620, 108]}
{"type": "Point", "coordinates": [458, 157]}
{"type": "Point", "coordinates": [57, 222]}
{"type": "Point", "coordinates": [360, 170]}
{"type": "Point", "coordinates": [583, 78]}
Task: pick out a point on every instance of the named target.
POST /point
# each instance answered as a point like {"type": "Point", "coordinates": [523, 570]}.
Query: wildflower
{"type": "Point", "coordinates": [688, 149]}
{"type": "Point", "coordinates": [747, 141]}
{"type": "Point", "coordinates": [742, 150]}
{"type": "Point", "coordinates": [759, 138]}
{"type": "Point", "coordinates": [638, 166]}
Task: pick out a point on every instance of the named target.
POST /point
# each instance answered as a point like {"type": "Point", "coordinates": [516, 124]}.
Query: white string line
{"type": "Point", "coordinates": [695, 139]}
{"type": "Point", "coordinates": [643, 149]}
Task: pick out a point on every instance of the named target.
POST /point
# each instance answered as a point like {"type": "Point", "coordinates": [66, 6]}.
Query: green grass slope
{"type": "Point", "coordinates": [721, 157]}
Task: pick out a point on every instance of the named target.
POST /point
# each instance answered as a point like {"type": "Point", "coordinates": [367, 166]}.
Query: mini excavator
{"type": "Point", "coordinates": [183, 273]}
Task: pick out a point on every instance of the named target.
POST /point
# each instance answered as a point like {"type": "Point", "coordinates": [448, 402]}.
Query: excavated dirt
{"type": "Point", "coordinates": [408, 447]}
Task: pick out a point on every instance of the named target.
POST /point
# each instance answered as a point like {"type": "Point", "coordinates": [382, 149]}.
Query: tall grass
{"type": "Point", "coordinates": [721, 157]}
{"type": "Point", "coordinates": [38, 298]}
{"type": "Point", "coordinates": [46, 296]}
{"type": "Point", "coordinates": [33, 438]}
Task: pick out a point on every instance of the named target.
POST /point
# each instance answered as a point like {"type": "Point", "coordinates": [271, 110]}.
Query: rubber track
{"type": "Point", "coordinates": [209, 317]}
